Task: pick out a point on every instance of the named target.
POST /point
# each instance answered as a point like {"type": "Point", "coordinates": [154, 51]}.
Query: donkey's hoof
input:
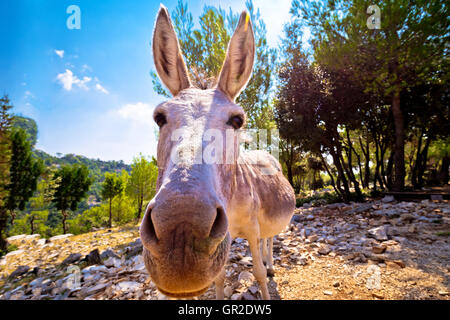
{"type": "Point", "coordinates": [270, 272]}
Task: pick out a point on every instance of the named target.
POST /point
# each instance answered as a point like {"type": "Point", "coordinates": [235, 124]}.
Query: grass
{"type": "Point", "coordinates": [443, 234]}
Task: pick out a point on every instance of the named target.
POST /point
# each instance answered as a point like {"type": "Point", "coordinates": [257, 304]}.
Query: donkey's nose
{"type": "Point", "coordinates": [198, 218]}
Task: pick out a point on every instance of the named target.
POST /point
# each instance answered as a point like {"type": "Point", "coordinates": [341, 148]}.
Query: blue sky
{"type": "Point", "coordinates": [90, 90]}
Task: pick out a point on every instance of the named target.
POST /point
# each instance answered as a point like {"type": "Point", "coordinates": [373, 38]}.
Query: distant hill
{"type": "Point", "coordinates": [97, 167]}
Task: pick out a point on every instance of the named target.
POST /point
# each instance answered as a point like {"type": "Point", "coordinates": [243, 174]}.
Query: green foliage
{"type": "Point", "coordinates": [5, 155]}
{"type": "Point", "coordinates": [142, 182]}
{"type": "Point", "coordinates": [73, 187]}
{"type": "Point", "coordinates": [112, 187]}
{"type": "Point", "coordinates": [24, 171]}
{"type": "Point", "coordinates": [32, 223]}
{"type": "Point", "coordinates": [319, 198]}
{"type": "Point", "coordinates": [30, 127]}
{"type": "Point", "coordinates": [123, 212]}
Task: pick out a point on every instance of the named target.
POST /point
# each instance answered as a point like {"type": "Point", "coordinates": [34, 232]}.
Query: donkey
{"type": "Point", "coordinates": [199, 207]}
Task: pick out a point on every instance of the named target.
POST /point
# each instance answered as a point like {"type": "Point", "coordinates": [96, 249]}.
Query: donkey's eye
{"type": "Point", "coordinates": [160, 119]}
{"type": "Point", "coordinates": [236, 122]}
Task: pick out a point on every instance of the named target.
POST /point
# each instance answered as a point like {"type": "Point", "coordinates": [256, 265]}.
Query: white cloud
{"type": "Point", "coordinates": [60, 53]}
{"type": "Point", "coordinates": [68, 79]}
{"type": "Point", "coordinates": [139, 112]}
{"type": "Point", "coordinates": [100, 88]}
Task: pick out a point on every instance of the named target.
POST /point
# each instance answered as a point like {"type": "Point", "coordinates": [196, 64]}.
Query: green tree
{"type": "Point", "coordinates": [112, 186]}
{"type": "Point", "coordinates": [409, 49]}
{"type": "Point", "coordinates": [72, 188]}
{"type": "Point", "coordinates": [24, 172]}
{"type": "Point", "coordinates": [29, 125]}
{"type": "Point", "coordinates": [5, 156]}
{"type": "Point", "coordinates": [142, 182]}
{"type": "Point", "coordinates": [205, 48]}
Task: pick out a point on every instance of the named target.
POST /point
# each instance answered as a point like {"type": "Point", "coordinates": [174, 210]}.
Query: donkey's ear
{"type": "Point", "coordinates": [238, 65]}
{"type": "Point", "coordinates": [167, 54]}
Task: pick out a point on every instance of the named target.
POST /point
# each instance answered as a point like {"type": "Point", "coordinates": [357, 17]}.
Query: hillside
{"type": "Point", "coordinates": [97, 168]}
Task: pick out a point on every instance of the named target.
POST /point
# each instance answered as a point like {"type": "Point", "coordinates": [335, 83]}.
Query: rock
{"type": "Point", "coordinates": [443, 293]}
{"type": "Point", "coordinates": [360, 208]}
{"type": "Point", "coordinates": [93, 257]}
{"type": "Point", "coordinates": [228, 291]}
{"type": "Point", "coordinates": [253, 290]}
{"type": "Point", "coordinates": [400, 263]}
{"type": "Point", "coordinates": [16, 238]}
{"type": "Point", "coordinates": [41, 242]}
{"type": "Point", "coordinates": [112, 262]}
{"type": "Point", "coordinates": [72, 258]}
{"type": "Point", "coordinates": [246, 278]}
{"type": "Point", "coordinates": [108, 253]}
{"type": "Point", "coordinates": [236, 296]}
{"type": "Point", "coordinates": [313, 238]}
{"type": "Point", "coordinates": [378, 249]}
{"type": "Point", "coordinates": [379, 233]}
{"type": "Point", "coordinates": [328, 292]}
{"type": "Point", "coordinates": [296, 218]}
{"type": "Point", "coordinates": [246, 261]}
{"type": "Point", "coordinates": [128, 286]}
{"type": "Point", "coordinates": [324, 249]}
{"type": "Point", "coordinates": [377, 295]}
{"type": "Point", "coordinates": [93, 290]}
{"type": "Point", "coordinates": [331, 240]}
{"type": "Point", "coordinates": [36, 282]}
{"type": "Point", "coordinates": [388, 199]}
{"type": "Point", "coordinates": [60, 237]}
{"type": "Point", "coordinates": [133, 251]}
{"type": "Point", "coordinates": [407, 217]}
{"type": "Point", "coordinates": [94, 268]}
{"type": "Point", "coordinates": [247, 296]}
{"type": "Point", "coordinates": [21, 270]}
{"type": "Point", "coordinates": [14, 253]}
{"type": "Point", "coordinates": [336, 284]}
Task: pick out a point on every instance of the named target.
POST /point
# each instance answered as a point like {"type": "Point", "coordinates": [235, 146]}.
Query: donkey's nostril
{"type": "Point", "coordinates": [147, 230]}
{"type": "Point", "coordinates": [219, 227]}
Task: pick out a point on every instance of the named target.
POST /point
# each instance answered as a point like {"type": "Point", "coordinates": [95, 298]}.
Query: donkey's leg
{"type": "Point", "coordinates": [258, 267]}
{"type": "Point", "coordinates": [264, 250]}
{"type": "Point", "coordinates": [269, 259]}
{"type": "Point", "coordinates": [219, 282]}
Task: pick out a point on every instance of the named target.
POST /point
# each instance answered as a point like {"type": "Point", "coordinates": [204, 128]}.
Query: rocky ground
{"type": "Point", "coordinates": [375, 250]}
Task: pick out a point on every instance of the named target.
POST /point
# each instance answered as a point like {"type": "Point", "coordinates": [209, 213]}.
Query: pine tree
{"type": "Point", "coordinates": [5, 156]}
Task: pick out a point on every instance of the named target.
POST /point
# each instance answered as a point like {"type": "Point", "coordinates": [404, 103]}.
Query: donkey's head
{"type": "Point", "coordinates": [185, 227]}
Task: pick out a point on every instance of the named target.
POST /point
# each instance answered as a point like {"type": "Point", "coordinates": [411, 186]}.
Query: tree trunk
{"type": "Point", "coordinates": [32, 225]}
{"type": "Point", "coordinates": [341, 176]}
{"type": "Point", "coordinates": [415, 168]}
{"type": "Point", "coordinates": [338, 192]}
{"type": "Point", "coordinates": [110, 213]}
{"type": "Point", "coordinates": [389, 169]}
{"type": "Point", "coordinates": [367, 163]}
{"type": "Point", "coordinates": [399, 157]}
{"type": "Point", "coordinates": [64, 214]}
{"type": "Point", "coordinates": [444, 170]}
{"type": "Point", "coordinates": [141, 201]}
{"type": "Point", "coordinates": [423, 164]}
{"type": "Point", "coordinates": [3, 223]}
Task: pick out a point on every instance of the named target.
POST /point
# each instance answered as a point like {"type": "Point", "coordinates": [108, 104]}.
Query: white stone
{"type": "Point", "coordinates": [113, 262]}
{"type": "Point", "coordinates": [61, 236]}
{"type": "Point", "coordinates": [128, 286]}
